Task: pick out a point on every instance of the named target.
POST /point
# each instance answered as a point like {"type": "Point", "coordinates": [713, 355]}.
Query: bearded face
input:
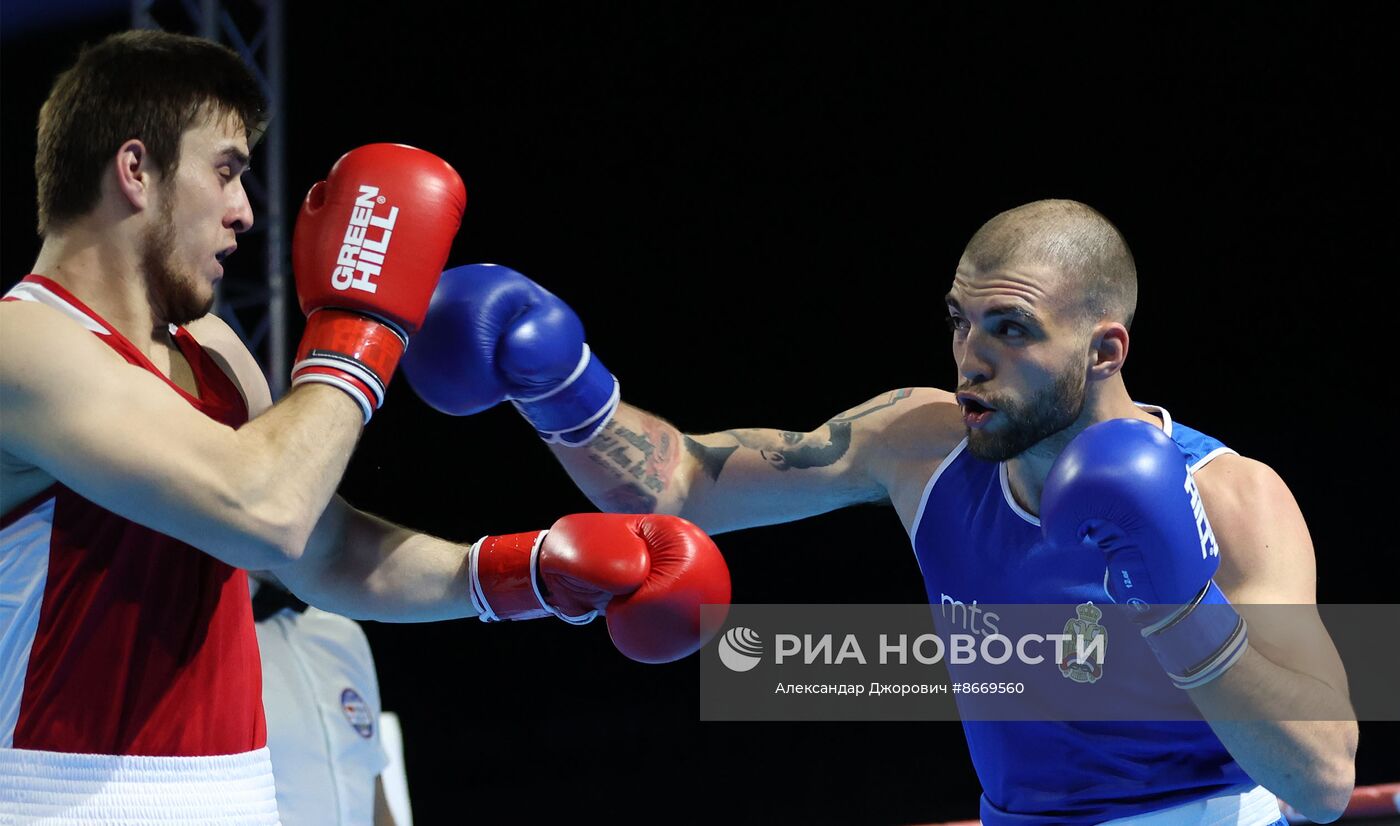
{"type": "Point", "coordinates": [1027, 423]}
{"type": "Point", "coordinates": [174, 290]}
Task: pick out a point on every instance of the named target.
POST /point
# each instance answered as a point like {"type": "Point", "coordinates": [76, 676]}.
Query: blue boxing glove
{"type": "Point", "coordinates": [492, 334]}
{"type": "Point", "coordinates": [1122, 488]}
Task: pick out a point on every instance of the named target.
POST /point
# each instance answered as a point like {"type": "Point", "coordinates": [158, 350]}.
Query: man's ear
{"type": "Point", "coordinates": [1108, 349]}
{"type": "Point", "coordinates": [134, 174]}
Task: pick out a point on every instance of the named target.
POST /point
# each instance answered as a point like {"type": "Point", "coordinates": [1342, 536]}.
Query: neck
{"type": "Point", "coordinates": [1027, 472]}
{"type": "Point", "coordinates": [100, 264]}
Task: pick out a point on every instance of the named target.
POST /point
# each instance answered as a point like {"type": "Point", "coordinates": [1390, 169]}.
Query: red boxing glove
{"type": "Point", "coordinates": [369, 245]}
{"type": "Point", "coordinates": [648, 573]}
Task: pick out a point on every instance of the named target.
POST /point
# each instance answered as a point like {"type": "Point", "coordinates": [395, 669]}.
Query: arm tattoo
{"type": "Point", "coordinates": [711, 459]}
{"type": "Point", "coordinates": [896, 396]}
{"type": "Point", "coordinates": [643, 461]}
{"type": "Point", "coordinates": [629, 499]}
{"type": "Point", "coordinates": [795, 451]}
{"type": "Point", "coordinates": [789, 451]}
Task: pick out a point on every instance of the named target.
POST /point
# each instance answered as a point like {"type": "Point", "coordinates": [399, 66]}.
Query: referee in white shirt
{"type": "Point", "coordinates": [321, 698]}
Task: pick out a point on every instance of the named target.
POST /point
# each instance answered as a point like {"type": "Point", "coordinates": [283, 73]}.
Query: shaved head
{"type": "Point", "coordinates": [1074, 239]}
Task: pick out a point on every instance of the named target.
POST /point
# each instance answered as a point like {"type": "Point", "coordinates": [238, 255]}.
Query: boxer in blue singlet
{"type": "Point", "coordinates": [1099, 770]}
{"type": "Point", "coordinates": [1041, 428]}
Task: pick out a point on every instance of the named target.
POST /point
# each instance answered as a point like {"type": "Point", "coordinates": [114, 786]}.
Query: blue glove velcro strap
{"type": "Point", "coordinates": [578, 408]}
{"type": "Point", "coordinates": [581, 436]}
{"type": "Point", "coordinates": [1201, 641]}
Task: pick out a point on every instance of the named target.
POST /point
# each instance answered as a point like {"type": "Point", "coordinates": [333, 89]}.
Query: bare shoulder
{"type": "Point", "coordinates": [764, 476]}
{"type": "Point", "coordinates": [910, 435]}
{"type": "Point", "coordinates": [912, 426]}
{"type": "Point", "coordinates": [37, 337]}
{"type": "Point", "coordinates": [47, 361]}
{"type": "Point", "coordinates": [32, 313]}
{"type": "Point", "coordinates": [1237, 485]}
{"type": "Point", "coordinates": [228, 350]}
{"type": "Point", "coordinates": [913, 422]}
{"type": "Point", "coordinates": [1266, 552]}
{"type": "Point", "coordinates": [896, 423]}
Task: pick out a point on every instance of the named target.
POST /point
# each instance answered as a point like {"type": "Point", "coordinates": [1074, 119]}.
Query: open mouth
{"type": "Point", "coordinates": [976, 413]}
{"type": "Point", "coordinates": [224, 253]}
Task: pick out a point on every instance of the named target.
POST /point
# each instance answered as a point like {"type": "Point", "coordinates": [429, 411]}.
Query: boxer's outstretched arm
{"type": "Point", "coordinates": [743, 478]}
{"type": "Point", "coordinates": [353, 563]}
{"type": "Point", "coordinates": [492, 334]}
{"type": "Point", "coordinates": [648, 573]}
{"type": "Point", "coordinates": [365, 567]}
{"type": "Point", "coordinates": [119, 436]}
{"type": "Point", "coordinates": [368, 568]}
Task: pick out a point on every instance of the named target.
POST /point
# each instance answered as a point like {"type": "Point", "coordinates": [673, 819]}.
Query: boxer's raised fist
{"type": "Point", "coordinates": [367, 251]}
{"type": "Point", "coordinates": [1122, 489]}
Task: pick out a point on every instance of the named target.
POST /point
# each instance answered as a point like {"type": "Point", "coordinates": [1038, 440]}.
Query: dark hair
{"type": "Point", "coordinates": [148, 85]}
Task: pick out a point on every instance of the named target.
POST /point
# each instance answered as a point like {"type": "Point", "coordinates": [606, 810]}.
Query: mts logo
{"type": "Point", "coordinates": [361, 256]}
{"type": "Point", "coordinates": [967, 616]}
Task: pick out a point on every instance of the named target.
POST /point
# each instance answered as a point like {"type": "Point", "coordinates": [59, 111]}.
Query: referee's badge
{"type": "Point", "coordinates": [357, 712]}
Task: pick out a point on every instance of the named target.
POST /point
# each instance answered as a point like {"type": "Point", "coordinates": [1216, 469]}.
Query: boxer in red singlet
{"type": "Point", "coordinates": [144, 468]}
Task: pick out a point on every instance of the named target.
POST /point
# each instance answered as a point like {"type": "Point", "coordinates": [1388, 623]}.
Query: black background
{"type": "Point", "coordinates": [756, 213]}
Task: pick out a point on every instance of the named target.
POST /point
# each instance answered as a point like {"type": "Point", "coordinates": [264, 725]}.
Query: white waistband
{"type": "Point", "coordinates": [49, 787]}
{"type": "Point", "coordinates": [1241, 807]}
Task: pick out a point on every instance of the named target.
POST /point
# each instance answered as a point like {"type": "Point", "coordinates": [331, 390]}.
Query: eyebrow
{"type": "Point", "coordinates": [233, 153]}
{"type": "Point", "coordinates": [1012, 310]}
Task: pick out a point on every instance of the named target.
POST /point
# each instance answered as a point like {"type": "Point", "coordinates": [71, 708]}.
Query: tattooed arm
{"type": "Point", "coordinates": [743, 478]}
